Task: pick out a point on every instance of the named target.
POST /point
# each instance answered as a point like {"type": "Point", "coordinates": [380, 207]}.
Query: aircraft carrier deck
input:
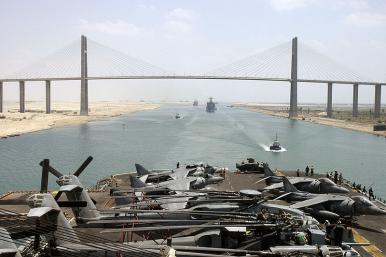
{"type": "Point", "coordinates": [370, 229]}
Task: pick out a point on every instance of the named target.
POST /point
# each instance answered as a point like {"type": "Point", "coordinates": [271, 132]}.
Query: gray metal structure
{"type": "Point", "coordinates": [329, 100]}
{"type": "Point", "coordinates": [48, 96]}
{"type": "Point", "coordinates": [1, 96]}
{"type": "Point", "coordinates": [355, 100]}
{"type": "Point", "coordinates": [377, 105]}
{"type": "Point", "coordinates": [294, 80]}
{"type": "Point", "coordinates": [83, 78]}
{"type": "Point", "coordinates": [22, 96]}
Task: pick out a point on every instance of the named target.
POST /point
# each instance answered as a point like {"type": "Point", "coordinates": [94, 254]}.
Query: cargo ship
{"type": "Point", "coordinates": [211, 106]}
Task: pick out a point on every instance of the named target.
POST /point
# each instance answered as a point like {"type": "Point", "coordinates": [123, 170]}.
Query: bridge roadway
{"type": "Point", "coordinates": [367, 228]}
{"type": "Point", "coordinates": [197, 77]}
{"type": "Point", "coordinates": [293, 97]}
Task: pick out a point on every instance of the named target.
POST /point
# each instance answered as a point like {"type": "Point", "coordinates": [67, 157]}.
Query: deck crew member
{"type": "Point", "coordinates": [371, 193]}
{"type": "Point", "coordinates": [335, 177]}
{"type": "Point", "coordinates": [307, 170]}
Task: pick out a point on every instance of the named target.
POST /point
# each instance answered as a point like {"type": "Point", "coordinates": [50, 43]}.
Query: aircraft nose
{"type": "Point", "coordinates": [374, 210]}
{"type": "Point", "coordinates": [219, 178]}
{"type": "Point", "coordinates": [340, 190]}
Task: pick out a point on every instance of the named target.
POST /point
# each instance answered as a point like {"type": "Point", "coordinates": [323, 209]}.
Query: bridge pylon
{"type": "Point", "coordinates": [355, 100]}
{"type": "Point", "coordinates": [377, 102]}
{"type": "Point", "coordinates": [1, 96]}
{"type": "Point", "coordinates": [83, 77]}
{"type": "Point", "coordinates": [293, 112]}
{"type": "Point", "coordinates": [22, 96]}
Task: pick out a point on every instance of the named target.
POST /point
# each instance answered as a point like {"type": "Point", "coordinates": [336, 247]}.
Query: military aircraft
{"type": "Point", "coordinates": [243, 230]}
{"type": "Point", "coordinates": [74, 190]}
{"type": "Point", "coordinates": [311, 185]}
{"type": "Point", "coordinates": [153, 175]}
{"type": "Point", "coordinates": [336, 206]}
{"type": "Point", "coordinates": [45, 208]}
{"type": "Point", "coordinates": [158, 176]}
{"type": "Point", "coordinates": [179, 183]}
{"type": "Point", "coordinates": [293, 194]}
{"type": "Point", "coordinates": [269, 176]}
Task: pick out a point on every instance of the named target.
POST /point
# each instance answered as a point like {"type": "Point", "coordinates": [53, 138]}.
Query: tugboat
{"type": "Point", "coordinates": [275, 145]}
{"type": "Point", "coordinates": [195, 103]}
{"type": "Point", "coordinates": [211, 106]}
{"type": "Point", "coordinates": [178, 116]}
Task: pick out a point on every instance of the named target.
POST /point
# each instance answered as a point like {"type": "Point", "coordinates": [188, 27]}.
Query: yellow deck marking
{"type": "Point", "coordinates": [371, 249]}
{"type": "Point", "coordinates": [107, 203]}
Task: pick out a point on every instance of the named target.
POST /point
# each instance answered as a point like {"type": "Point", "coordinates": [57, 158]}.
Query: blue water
{"type": "Point", "coordinates": [158, 140]}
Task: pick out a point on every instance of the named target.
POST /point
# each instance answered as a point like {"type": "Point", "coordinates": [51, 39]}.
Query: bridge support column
{"type": "Point", "coordinates": [355, 101]}
{"type": "Point", "coordinates": [329, 100]}
{"type": "Point", "coordinates": [1, 96]}
{"type": "Point", "coordinates": [377, 104]}
{"type": "Point", "coordinates": [83, 80]}
{"type": "Point", "coordinates": [48, 96]}
{"type": "Point", "coordinates": [22, 96]}
{"type": "Point", "coordinates": [294, 80]}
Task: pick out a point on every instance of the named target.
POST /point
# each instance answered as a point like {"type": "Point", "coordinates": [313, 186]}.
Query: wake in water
{"type": "Point", "coordinates": [266, 148]}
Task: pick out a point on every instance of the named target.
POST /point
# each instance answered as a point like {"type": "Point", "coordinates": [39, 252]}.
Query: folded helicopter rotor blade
{"type": "Point", "coordinates": [44, 181]}
{"type": "Point", "coordinates": [58, 194]}
{"type": "Point", "coordinates": [83, 166]}
{"type": "Point", "coordinates": [53, 171]}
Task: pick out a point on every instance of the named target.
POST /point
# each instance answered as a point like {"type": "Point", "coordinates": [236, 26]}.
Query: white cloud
{"type": "Point", "coordinates": [177, 26]}
{"type": "Point", "coordinates": [180, 20]}
{"type": "Point", "coordinates": [117, 27]}
{"type": "Point", "coordinates": [147, 7]}
{"type": "Point", "coordinates": [288, 5]}
{"type": "Point", "coordinates": [353, 4]}
{"type": "Point", "coordinates": [377, 44]}
{"type": "Point", "coordinates": [366, 19]}
{"type": "Point", "coordinates": [182, 14]}
{"type": "Point", "coordinates": [345, 43]}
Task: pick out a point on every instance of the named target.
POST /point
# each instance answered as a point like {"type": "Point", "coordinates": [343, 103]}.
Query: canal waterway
{"type": "Point", "coordinates": [157, 139]}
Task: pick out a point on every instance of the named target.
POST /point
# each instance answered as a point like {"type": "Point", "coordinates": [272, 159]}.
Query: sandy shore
{"type": "Point", "coordinates": [314, 117]}
{"type": "Point", "coordinates": [63, 113]}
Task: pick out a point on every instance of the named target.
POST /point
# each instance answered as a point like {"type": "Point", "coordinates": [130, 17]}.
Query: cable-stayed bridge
{"type": "Point", "coordinates": [290, 62]}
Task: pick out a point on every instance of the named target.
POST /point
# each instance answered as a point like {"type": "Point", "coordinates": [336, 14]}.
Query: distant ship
{"type": "Point", "coordinates": [211, 106]}
{"type": "Point", "coordinates": [275, 145]}
{"type": "Point", "coordinates": [178, 116]}
{"type": "Point", "coordinates": [195, 103]}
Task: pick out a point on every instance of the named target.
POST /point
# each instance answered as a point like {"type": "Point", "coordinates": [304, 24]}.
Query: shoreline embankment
{"type": "Point", "coordinates": [318, 118]}
{"type": "Point", "coordinates": [13, 123]}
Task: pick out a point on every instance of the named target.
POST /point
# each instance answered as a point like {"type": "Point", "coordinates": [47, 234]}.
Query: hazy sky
{"type": "Point", "coordinates": [192, 36]}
